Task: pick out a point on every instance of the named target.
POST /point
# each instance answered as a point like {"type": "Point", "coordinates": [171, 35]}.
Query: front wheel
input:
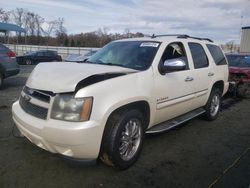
{"type": "Point", "coordinates": [123, 138]}
{"type": "Point", "coordinates": [213, 105]}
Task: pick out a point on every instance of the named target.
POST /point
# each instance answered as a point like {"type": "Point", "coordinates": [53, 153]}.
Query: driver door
{"type": "Point", "coordinates": [175, 90]}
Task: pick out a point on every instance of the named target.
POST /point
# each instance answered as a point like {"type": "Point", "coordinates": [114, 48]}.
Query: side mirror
{"type": "Point", "coordinates": [172, 65]}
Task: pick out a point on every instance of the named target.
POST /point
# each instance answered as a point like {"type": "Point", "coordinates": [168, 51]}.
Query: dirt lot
{"type": "Point", "coordinates": [197, 154]}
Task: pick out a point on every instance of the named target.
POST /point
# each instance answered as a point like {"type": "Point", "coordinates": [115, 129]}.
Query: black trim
{"type": "Point", "coordinates": [247, 27]}
{"type": "Point", "coordinates": [97, 78]}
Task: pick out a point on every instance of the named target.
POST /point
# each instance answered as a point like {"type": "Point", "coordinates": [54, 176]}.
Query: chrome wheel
{"type": "Point", "coordinates": [215, 105]}
{"type": "Point", "coordinates": [28, 62]}
{"type": "Point", "coordinates": [130, 139]}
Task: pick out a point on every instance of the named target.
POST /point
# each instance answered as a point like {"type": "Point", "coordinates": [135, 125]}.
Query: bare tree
{"type": "Point", "coordinates": [19, 16]}
{"type": "Point", "coordinates": [30, 23]}
{"type": "Point", "coordinates": [127, 32]}
{"type": "Point", "coordinates": [49, 29]}
{"type": "Point", "coordinates": [60, 29]}
{"type": "Point", "coordinates": [4, 16]}
{"type": "Point", "coordinates": [38, 24]}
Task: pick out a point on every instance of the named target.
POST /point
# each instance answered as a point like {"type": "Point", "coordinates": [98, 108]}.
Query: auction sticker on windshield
{"type": "Point", "coordinates": [149, 44]}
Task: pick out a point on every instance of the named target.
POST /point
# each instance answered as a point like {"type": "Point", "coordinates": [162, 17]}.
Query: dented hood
{"type": "Point", "coordinates": [60, 77]}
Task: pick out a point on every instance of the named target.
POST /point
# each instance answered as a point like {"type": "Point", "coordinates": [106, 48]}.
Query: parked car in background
{"type": "Point", "coordinates": [71, 57]}
{"type": "Point", "coordinates": [31, 58]}
{"type": "Point", "coordinates": [239, 72]}
{"type": "Point", "coordinates": [8, 65]}
{"type": "Point", "coordinates": [80, 58]}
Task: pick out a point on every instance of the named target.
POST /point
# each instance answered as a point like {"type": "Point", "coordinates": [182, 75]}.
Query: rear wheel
{"type": "Point", "coordinates": [123, 139]}
{"type": "Point", "coordinates": [28, 62]}
{"type": "Point", "coordinates": [213, 105]}
{"type": "Point", "coordinates": [243, 90]}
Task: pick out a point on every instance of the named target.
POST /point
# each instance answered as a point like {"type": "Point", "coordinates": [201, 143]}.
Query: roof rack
{"type": "Point", "coordinates": [198, 38]}
{"type": "Point", "coordinates": [169, 35]}
{"type": "Point", "coordinates": [181, 36]}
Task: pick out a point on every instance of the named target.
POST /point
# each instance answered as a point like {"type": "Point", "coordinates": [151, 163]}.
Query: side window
{"type": "Point", "coordinates": [199, 55]}
{"type": "Point", "coordinates": [175, 50]}
{"type": "Point", "coordinates": [217, 54]}
{"type": "Point", "coordinates": [39, 53]}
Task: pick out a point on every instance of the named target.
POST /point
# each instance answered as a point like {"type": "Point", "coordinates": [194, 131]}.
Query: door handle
{"type": "Point", "coordinates": [189, 79]}
{"type": "Point", "coordinates": [210, 74]}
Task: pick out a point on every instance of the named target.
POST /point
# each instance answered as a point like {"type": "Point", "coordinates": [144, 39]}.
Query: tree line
{"type": "Point", "coordinates": [40, 31]}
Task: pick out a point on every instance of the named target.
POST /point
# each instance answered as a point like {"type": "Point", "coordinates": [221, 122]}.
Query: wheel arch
{"type": "Point", "coordinates": [219, 85]}
{"type": "Point", "coordinates": [141, 105]}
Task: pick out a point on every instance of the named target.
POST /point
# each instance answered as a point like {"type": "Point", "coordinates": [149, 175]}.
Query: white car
{"type": "Point", "coordinates": [104, 107]}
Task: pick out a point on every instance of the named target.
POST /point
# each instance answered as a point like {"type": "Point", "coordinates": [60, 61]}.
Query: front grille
{"type": "Point", "coordinates": [33, 109]}
{"type": "Point", "coordinates": [38, 94]}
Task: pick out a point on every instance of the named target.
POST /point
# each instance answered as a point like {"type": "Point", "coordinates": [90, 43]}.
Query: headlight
{"type": "Point", "coordinates": [68, 108]}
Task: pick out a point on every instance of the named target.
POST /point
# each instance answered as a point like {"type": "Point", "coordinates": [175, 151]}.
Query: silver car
{"type": "Point", "coordinates": [8, 65]}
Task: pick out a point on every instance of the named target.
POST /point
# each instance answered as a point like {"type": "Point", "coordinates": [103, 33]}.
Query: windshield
{"type": "Point", "coordinates": [130, 54]}
{"type": "Point", "coordinates": [238, 60]}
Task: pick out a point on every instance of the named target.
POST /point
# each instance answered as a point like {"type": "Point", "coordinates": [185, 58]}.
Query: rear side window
{"type": "Point", "coordinates": [199, 55]}
{"type": "Point", "coordinates": [217, 54]}
{"type": "Point", "coordinates": [51, 53]}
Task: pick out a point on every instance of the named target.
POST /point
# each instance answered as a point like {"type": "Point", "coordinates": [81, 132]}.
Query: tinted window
{"type": "Point", "coordinates": [51, 53]}
{"type": "Point", "coordinates": [40, 54]}
{"type": "Point", "coordinates": [217, 54]}
{"type": "Point", "coordinates": [199, 56]}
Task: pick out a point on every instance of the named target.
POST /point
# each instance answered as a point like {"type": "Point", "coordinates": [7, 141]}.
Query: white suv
{"type": "Point", "coordinates": [103, 107]}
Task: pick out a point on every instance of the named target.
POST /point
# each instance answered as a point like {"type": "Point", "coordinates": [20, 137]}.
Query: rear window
{"type": "Point", "coordinates": [217, 54]}
{"type": "Point", "coordinates": [199, 55]}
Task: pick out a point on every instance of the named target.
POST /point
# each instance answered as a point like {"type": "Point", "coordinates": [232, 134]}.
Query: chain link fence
{"type": "Point", "coordinates": [63, 51]}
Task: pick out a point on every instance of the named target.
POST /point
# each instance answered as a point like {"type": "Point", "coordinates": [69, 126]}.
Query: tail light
{"type": "Point", "coordinates": [11, 54]}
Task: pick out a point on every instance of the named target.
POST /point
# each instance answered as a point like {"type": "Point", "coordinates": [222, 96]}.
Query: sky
{"type": "Point", "coordinates": [219, 20]}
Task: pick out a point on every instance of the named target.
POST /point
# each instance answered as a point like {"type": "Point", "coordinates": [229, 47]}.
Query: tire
{"type": "Point", "coordinates": [212, 108]}
{"type": "Point", "coordinates": [28, 62]}
{"type": "Point", "coordinates": [1, 81]}
{"type": "Point", "coordinates": [120, 147]}
{"type": "Point", "coordinates": [243, 90]}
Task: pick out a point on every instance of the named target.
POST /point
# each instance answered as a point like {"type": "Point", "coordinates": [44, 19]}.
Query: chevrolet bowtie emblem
{"type": "Point", "coordinates": [26, 97]}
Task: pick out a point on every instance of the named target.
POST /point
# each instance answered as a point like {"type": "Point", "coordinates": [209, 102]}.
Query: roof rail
{"type": "Point", "coordinates": [198, 38]}
{"type": "Point", "coordinates": [169, 35]}
{"type": "Point", "coordinates": [181, 36]}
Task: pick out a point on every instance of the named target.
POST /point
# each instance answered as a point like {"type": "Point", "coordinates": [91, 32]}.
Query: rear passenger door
{"type": "Point", "coordinates": [202, 74]}
{"type": "Point", "coordinates": [40, 57]}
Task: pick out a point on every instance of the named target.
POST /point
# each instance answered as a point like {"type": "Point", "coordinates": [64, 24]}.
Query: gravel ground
{"type": "Point", "coordinates": [197, 154]}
